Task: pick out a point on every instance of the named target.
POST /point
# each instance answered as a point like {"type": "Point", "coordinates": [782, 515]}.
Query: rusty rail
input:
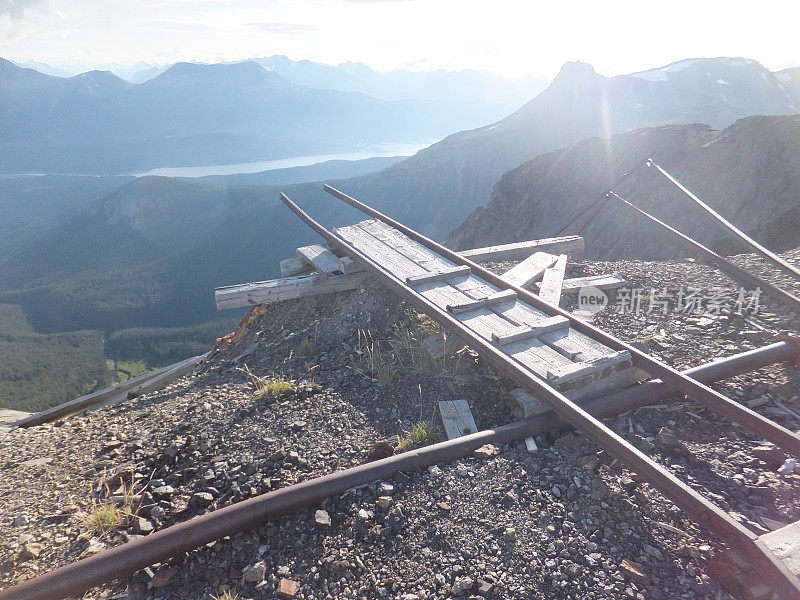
{"type": "Point", "coordinates": [763, 252]}
{"type": "Point", "coordinates": [75, 578]}
{"type": "Point", "coordinates": [723, 263]}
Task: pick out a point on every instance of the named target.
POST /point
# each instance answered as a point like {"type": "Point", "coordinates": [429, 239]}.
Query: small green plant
{"type": "Point", "coordinates": [226, 595]}
{"type": "Point", "coordinates": [273, 388]}
{"type": "Point", "coordinates": [268, 388]}
{"type": "Point", "coordinates": [383, 365]}
{"type": "Point", "coordinates": [419, 434]}
{"type": "Point", "coordinates": [106, 516]}
{"type": "Point", "coordinates": [308, 348]}
{"type": "Point", "coordinates": [428, 326]}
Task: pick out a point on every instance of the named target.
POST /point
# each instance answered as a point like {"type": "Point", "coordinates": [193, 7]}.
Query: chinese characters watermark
{"type": "Point", "coordinates": [686, 300]}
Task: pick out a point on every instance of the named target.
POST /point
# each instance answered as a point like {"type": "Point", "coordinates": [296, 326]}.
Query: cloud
{"type": "Point", "coordinates": [15, 8]}
{"type": "Point", "coordinates": [283, 28]}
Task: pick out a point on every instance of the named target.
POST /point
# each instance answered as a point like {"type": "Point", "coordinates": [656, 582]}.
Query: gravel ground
{"type": "Point", "coordinates": [565, 522]}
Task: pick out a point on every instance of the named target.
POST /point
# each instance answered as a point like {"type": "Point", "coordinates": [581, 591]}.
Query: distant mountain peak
{"type": "Point", "coordinates": [575, 70]}
{"type": "Point", "coordinates": [222, 73]}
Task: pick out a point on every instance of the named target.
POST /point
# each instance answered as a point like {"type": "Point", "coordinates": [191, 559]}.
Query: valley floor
{"type": "Point", "coordinates": [565, 522]}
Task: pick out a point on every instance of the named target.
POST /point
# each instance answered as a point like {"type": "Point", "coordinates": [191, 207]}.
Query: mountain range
{"type": "Point", "coordinates": [195, 114]}
{"type": "Point", "coordinates": [401, 84]}
{"type": "Point", "coordinates": [438, 187]}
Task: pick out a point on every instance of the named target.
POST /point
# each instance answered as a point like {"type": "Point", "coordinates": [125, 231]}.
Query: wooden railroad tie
{"type": "Point", "coordinates": [487, 302]}
{"type": "Point", "coordinates": [524, 332]}
{"type": "Point", "coordinates": [434, 276]}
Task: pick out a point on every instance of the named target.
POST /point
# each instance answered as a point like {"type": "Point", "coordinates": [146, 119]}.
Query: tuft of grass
{"type": "Point", "coordinates": [226, 595]}
{"type": "Point", "coordinates": [106, 517]}
{"type": "Point", "coordinates": [419, 434]}
{"type": "Point", "coordinates": [383, 365]}
{"type": "Point", "coordinates": [274, 388]}
{"type": "Point", "coordinates": [266, 387]}
{"type": "Point", "coordinates": [428, 326]}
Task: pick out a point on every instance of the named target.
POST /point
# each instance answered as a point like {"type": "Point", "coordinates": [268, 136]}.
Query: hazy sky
{"type": "Point", "coordinates": [506, 37]}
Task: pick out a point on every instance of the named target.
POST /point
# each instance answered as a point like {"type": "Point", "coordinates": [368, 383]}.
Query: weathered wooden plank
{"type": "Point", "coordinates": [570, 343]}
{"type": "Point", "coordinates": [529, 270]}
{"type": "Point", "coordinates": [347, 265]}
{"type": "Point", "coordinates": [552, 281]}
{"type": "Point", "coordinates": [582, 369]}
{"type": "Point", "coordinates": [523, 332]}
{"type": "Point", "coordinates": [570, 244]}
{"type": "Point", "coordinates": [457, 418]}
{"type": "Point", "coordinates": [403, 257]}
{"type": "Point", "coordinates": [442, 275]}
{"type": "Point", "coordinates": [292, 266]}
{"type": "Point", "coordinates": [320, 257]}
{"type": "Point", "coordinates": [601, 282]}
{"type": "Point", "coordinates": [537, 356]}
{"type": "Point", "coordinates": [785, 543]}
{"type": "Point", "coordinates": [524, 404]}
{"type": "Point", "coordinates": [287, 288]}
{"type": "Point", "coordinates": [485, 302]}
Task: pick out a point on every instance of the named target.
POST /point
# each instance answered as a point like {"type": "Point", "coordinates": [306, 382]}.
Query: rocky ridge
{"type": "Point", "coordinates": [747, 172]}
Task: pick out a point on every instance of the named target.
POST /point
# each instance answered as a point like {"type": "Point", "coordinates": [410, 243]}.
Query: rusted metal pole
{"type": "Point", "coordinates": [74, 579]}
{"type": "Point", "coordinates": [723, 263]}
{"type": "Point", "coordinates": [787, 440]}
{"type": "Point", "coordinates": [763, 252]}
{"type": "Point", "coordinates": [706, 512]}
{"type": "Point", "coordinates": [602, 198]}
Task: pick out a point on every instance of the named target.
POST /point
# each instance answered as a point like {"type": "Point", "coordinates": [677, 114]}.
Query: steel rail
{"type": "Point", "coordinates": [783, 581]}
{"type": "Point", "coordinates": [602, 197]}
{"type": "Point", "coordinates": [723, 263]}
{"type": "Point", "coordinates": [582, 227]}
{"type": "Point", "coordinates": [762, 251]}
{"type": "Point", "coordinates": [76, 578]}
{"type": "Point", "coordinates": [761, 426]}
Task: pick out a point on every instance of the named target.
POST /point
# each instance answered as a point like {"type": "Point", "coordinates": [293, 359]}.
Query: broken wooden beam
{"type": "Point", "coordinates": [320, 257]}
{"type": "Point", "coordinates": [552, 281]}
{"type": "Point", "coordinates": [574, 371]}
{"type": "Point", "coordinates": [570, 244]}
{"type": "Point", "coordinates": [601, 282]}
{"type": "Point", "coordinates": [287, 288]}
{"type": "Point", "coordinates": [529, 270]}
{"type": "Point", "coordinates": [143, 384]}
{"type": "Point", "coordinates": [735, 573]}
{"type": "Point", "coordinates": [457, 418]}
{"type": "Point", "coordinates": [487, 302]}
{"type": "Point", "coordinates": [292, 266]}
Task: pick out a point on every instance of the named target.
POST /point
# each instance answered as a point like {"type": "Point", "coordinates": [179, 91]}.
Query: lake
{"type": "Point", "coordinates": [382, 149]}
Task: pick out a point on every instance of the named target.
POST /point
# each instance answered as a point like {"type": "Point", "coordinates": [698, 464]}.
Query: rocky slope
{"type": "Point", "coordinates": [748, 172]}
{"type": "Point", "coordinates": [563, 523]}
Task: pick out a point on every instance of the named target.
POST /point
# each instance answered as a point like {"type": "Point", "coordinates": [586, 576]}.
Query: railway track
{"type": "Point", "coordinates": [444, 270]}
{"type": "Point", "coordinates": [463, 297]}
